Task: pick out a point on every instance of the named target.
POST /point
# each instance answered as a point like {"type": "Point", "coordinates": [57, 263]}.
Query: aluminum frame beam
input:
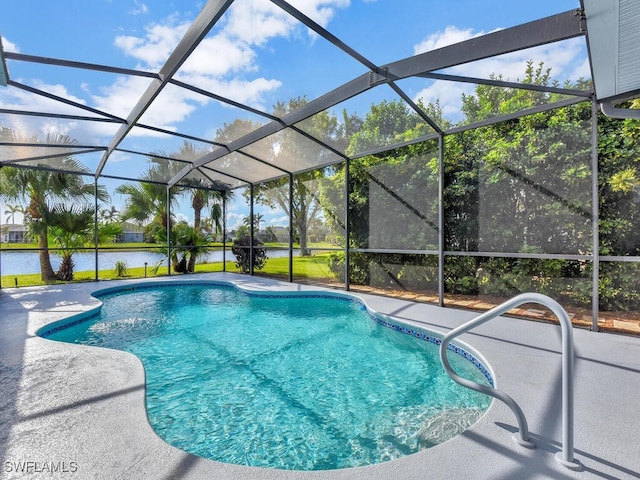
{"type": "Point", "coordinates": [82, 65]}
{"type": "Point", "coordinates": [66, 101]}
{"type": "Point", "coordinates": [4, 72]}
{"type": "Point", "coordinates": [558, 27]}
{"type": "Point", "coordinates": [555, 28]}
{"type": "Point", "coordinates": [208, 17]}
{"type": "Point", "coordinates": [507, 84]}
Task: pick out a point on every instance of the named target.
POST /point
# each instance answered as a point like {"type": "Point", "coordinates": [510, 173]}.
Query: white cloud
{"type": "Point", "coordinates": [9, 46]}
{"type": "Point", "coordinates": [254, 22]}
{"type": "Point", "coordinates": [169, 109]}
{"type": "Point", "coordinates": [249, 92]}
{"type": "Point", "coordinates": [450, 36]}
{"type": "Point", "coordinates": [234, 220]}
{"type": "Point", "coordinates": [320, 11]}
{"type": "Point", "coordinates": [218, 64]}
{"type": "Point", "coordinates": [120, 97]}
{"type": "Point", "coordinates": [448, 94]}
{"type": "Point", "coordinates": [138, 8]}
{"type": "Point", "coordinates": [225, 62]}
{"type": "Point", "coordinates": [181, 217]}
{"type": "Point", "coordinates": [566, 59]}
{"type": "Point", "coordinates": [157, 44]}
{"type": "Point", "coordinates": [583, 70]}
{"type": "Point", "coordinates": [276, 221]}
{"type": "Point", "coordinates": [219, 56]}
{"type": "Point", "coordinates": [18, 99]}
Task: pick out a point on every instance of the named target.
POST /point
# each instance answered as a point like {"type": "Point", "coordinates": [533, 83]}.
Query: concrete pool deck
{"type": "Point", "coordinates": [80, 410]}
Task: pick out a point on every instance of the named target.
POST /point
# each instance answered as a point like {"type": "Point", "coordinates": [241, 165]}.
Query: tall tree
{"type": "Point", "coordinates": [304, 207]}
{"type": "Point", "coordinates": [200, 191]}
{"type": "Point", "coordinates": [533, 173]}
{"type": "Point", "coordinates": [202, 195]}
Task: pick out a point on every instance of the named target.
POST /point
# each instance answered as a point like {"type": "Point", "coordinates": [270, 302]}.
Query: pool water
{"type": "Point", "coordinates": [302, 383]}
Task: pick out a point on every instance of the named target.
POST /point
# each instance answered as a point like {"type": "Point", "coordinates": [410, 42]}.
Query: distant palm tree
{"type": "Point", "coordinates": [109, 214]}
{"type": "Point", "coordinates": [11, 211]}
{"type": "Point", "coordinates": [216, 218]}
{"type": "Point", "coordinates": [257, 220]}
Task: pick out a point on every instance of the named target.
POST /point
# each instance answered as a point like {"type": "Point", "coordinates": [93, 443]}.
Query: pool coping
{"type": "Point", "coordinates": [72, 407]}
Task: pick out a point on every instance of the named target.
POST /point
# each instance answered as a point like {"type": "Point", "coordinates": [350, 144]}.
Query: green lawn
{"type": "Point", "coordinates": [314, 267]}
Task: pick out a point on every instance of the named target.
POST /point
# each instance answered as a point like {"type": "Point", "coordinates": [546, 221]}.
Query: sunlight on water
{"type": "Point", "coordinates": [292, 383]}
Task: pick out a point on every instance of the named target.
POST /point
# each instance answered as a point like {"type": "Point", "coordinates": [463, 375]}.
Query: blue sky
{"type": "Point", "coordinates": [256, 55]}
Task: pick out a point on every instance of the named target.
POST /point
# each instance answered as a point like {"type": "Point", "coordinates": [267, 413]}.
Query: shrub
{"type": "Point", "coordinates": [242, 251]}
{"type": "Point", "coordinates": [120, 268]}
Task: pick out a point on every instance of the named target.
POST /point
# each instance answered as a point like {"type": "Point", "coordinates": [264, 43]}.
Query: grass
{"type": "Point", "coordinates": [313, 267]}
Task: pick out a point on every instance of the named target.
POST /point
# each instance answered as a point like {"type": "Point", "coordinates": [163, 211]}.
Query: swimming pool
{"type": "Point", "coordinates": [291, 381]}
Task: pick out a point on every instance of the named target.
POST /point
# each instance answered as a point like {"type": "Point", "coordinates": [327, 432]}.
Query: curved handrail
{"type": "Point", "coordinates": [566, 456]}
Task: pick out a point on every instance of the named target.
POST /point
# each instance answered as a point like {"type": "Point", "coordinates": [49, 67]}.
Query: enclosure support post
{"type": "Point", "coordinates": [1, 246]}
{"type": "Point", "coordinates": [441, 220]}
{"type": "Point", "coordinates": [347, 229]}
{"type": "Point", "coordinates": [291, 227]}
{"type": "Point", "coordinates": [251, 232]}
{"type": "Point", "coordinates": [168, 230]}
{"type": "Point", "coordinates": [595, 196]}
{"type": "Point", "coordinates": [224, 231]}
{"type": "Point", "coordinates": [95, 225]}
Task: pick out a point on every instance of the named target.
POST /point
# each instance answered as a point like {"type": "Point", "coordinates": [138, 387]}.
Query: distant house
{"type": "Point", "coordinates": [12, 233]}
{"type": "Point", "coordinates": [131, 233]}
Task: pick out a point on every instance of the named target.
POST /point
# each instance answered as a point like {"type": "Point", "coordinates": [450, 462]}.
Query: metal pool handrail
{"type": "Point", "coordinates": [566, 456]}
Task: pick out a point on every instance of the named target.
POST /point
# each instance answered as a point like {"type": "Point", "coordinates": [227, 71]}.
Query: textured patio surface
{"type": "Point", "coordinates": [81, 410]}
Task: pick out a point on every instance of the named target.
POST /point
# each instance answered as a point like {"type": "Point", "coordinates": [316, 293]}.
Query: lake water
{"type": "Point", "coordinates": [20, 262]}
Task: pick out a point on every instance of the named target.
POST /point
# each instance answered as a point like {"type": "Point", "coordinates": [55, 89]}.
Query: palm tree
{"type": "Point", "coordinates": [147, 200]}
{"type": "Point", "coordinates": [257, 220]}
{"type": "Point", "coordinates": [71, 228]}
{"type": "Point", "coordinates": [199, 200]}
{"type": "Point", "coordinates": [68, 227]}
{"type": "Point", "coordinates": [216, 218]}
{"type": "Point", "coordinates": [109, 214]}
{"type": "Point", "coordinates": [40, 188]}
{"type": "Point", "coordinates": [202, 196]}
{"type": "Point", "coordinates": [191, 244]}
{"type": "Point", "coordinates": [11, 211]}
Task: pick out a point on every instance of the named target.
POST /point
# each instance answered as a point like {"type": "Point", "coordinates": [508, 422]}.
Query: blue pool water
{"type": "Point", "coordinates": [303, 383]}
